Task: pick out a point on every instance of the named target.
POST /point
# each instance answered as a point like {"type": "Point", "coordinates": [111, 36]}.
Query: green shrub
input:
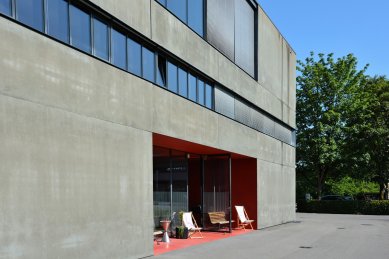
{"type": "Point", "coordinates": [374, 207]}
{"type": "Point", "coordinates": [344, 207]}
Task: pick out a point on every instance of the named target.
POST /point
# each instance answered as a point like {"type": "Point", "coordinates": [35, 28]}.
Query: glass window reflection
{"type": "Point", "coordinates": [196, 16]}
{"type": "Point", "coordinates": [172, 77]}
{"type": "Point", "coordinates": [57, 19]}
{"type": "Point", "coordinates": [192, 88]}
{"type": "Point", "coordinates": [80, 29]}
{"type": "Point", "coordinates": [148, 64]}
{"type": "Point", "coordinates": [208, 96]}
{"type": "Point", "coordinates": [182, 82]}
{"type": "Point", "coordinates": [100, 39]}
{"type": "Point", "coordinates": [5, 7]}
{"type": "Point", "coordinates": [178, 7]}
{"type": "Point", "coordinates": [134, 57]}
{"type": "Point", "coordinates": [200, 92]}
{"type": "Point", "coordinates": [30, 13]}
{"type": "Point", "coordinates": [118, 49]}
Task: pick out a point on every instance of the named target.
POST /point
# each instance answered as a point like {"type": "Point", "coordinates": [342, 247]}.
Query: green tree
{"type": "Point", "coordinates": [350, 186]}
{"type": "Point", "coordinates": [367, 132]}
{"type": "Point", "coordinates": [324, 87]}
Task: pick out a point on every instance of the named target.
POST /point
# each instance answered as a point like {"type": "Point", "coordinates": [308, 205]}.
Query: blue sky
{"type": "Point", "coordinates": [341, 27]}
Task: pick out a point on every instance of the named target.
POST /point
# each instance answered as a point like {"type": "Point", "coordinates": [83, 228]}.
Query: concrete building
{"type": "Point", "coordinates": [116, 114]}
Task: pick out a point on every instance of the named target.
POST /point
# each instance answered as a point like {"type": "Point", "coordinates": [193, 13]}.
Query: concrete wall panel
{"type": "Point", "coordinates": [136, 14]}
{"type": "Point", "coordinates": [270, 149]}
{"type": "Point", "coordinates": [72, 186]}
{"type": "Point", "coordinates": [288, 155]}
{"type": "Point", "coordinates": [292, 80]}
{"type": "Point", "coordinates": [276, 196]}
{"type": "Point", "coordinates": [270, 52]}
{"type": "Point", "coordinates": [285, 72]}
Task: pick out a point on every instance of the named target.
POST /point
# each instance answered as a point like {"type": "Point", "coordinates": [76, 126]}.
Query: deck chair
{"type": "Point", "coordinates": [189, 222]}
{"type": "Point", "coordinates": [243, 218]}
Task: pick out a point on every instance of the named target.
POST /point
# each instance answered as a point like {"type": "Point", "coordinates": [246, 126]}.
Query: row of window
{"type": "Point", "coordinates": [190, 12]}
{"type": "Point", "coordinates": [240, 110]}
{"type": "Point", "coordinates": [87, 32]}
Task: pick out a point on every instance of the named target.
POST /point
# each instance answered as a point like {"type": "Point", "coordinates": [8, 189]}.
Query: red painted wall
{"type": "Point", "coordinates": [244, 187]}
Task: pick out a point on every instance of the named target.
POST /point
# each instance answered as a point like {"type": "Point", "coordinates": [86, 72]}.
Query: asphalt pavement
{"type": "Point", "coordinates": [310, 236]}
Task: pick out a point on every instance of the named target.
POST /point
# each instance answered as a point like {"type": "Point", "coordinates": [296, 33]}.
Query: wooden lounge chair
{"type": "Point", "coordinates": [243, 218]}
{"type": "Point", "coordinates": [218, 218]}
{"type": "Point", "coordinates": [189, 221]}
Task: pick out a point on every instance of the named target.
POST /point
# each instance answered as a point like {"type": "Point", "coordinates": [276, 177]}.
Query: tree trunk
{"type": "Point", "coordinates": [319, 189]}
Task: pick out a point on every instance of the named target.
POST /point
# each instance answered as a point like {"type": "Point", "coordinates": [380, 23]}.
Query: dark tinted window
{"type": "Point", "coordinates": [148, 64]}
{"type": "Point", "coordinates": [178, 7]}
{"type": "Point", "coordinates": [5, 7]}
{"type": "Point", "coordinates": [134, 57]}
{"type": "Point", "coordinates": [200, 92]}
{"type": "Point", "coordinates": [57, 19]}
{"type": "Point", "coordinates": [224, 103]}
{"type": "Point", "coordinates": [220, 25]}
{"type": "Point", "coordinates": [118, 49]}
{"type": "Point", "coordinates": [161, 71]}
{"type": "Point", "coordinates": [182, 82]}
{"type": "Point", "coordinates": [195, 16]}
{"type": "Point", "coordinates": [100, 39]}
{"type": "Point", "coordinates": [244, 36]}
{"type": "Point", "coordinates": [208, 96]}
{"type": "Point", "coordinates": [80, 29]}
{"type": "Point", "coordinates": [192, 88]}
{"type": "Point", "coordinates": [172, 77]}
{"type": "Point", "coordinates": [30, 13]}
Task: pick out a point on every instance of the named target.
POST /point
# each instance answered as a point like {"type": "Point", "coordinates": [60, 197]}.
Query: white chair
{"type": "Point", "coordinates": [189, 222]}
{"type": "Point", "coordinates": [243, 218]}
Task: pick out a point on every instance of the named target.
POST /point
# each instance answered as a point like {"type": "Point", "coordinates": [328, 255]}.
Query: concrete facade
{"type": "Point", "coordinates": [76, 155]}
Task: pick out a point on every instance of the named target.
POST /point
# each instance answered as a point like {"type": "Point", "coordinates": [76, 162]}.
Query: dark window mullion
{"type": "Point", "coordinates": [70, 24]}
{"type": "Point", "coordinates": [141, 61]}
{"type": "Point", "coordinates": [177, 80]}
{"type": "Point", "coordinates": [156, 67]}
{"type": "Point", "coordinates": [109, 28]}
{"type": "Point", "coordinates": [13, 9]}
{"type": "Point", "coordinates": [92, 32]}
{"type": "Point", "coordinates": [187, 84]}
{"type": "Point", "coordinates": [91, 40]}
{"type": "Point", "coordinates": [197, 90]}
{"type": "Point", "coordinates": [213, 97]}
{"type": "Point", "coordinates": [187, 12]}
{"type": "Point", "coordinates": [167, 74]}
{"type": "Point", "coordinates": [205, 19]}
{"type": "Point", "coordinates": [126, 51]}
{"type": "Point", "coordinates": [45, 17]}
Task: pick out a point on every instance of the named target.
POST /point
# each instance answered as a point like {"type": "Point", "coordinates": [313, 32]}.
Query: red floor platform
{"type": "Point", "coordinates": [175, 244]}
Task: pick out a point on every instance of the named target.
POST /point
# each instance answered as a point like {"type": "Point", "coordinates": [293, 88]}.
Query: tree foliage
{"type": "Point", "coordinates": [324, 88]}
{"type": "Point", "coordinates": [350, 186]}
{"type": "Point", "coordinates": [367, 132]}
